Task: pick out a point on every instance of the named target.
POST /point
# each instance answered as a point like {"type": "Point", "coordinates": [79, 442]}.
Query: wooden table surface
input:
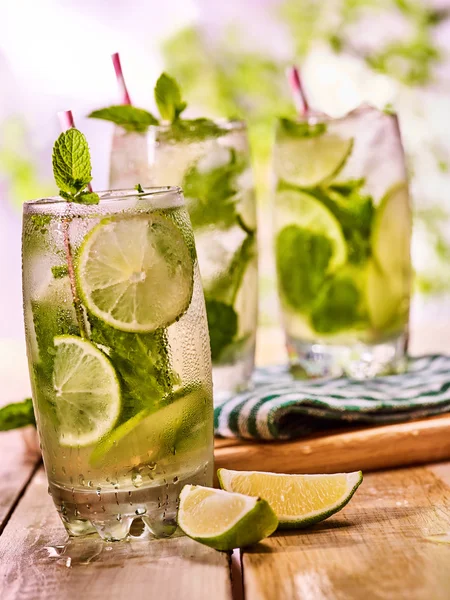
{"type": "Point", "coordinates": [383, 545]}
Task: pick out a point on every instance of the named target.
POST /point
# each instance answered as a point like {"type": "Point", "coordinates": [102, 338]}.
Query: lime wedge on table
{"type": "Point", "coordinates": [136, 273]}
{"type": "Point", "coordinates": [297, 500]}
{"type": "Point", "coordinates": [298, 208]}
{"type": "Point", "coordinates": [87, 392]}
{"type": "Point", "coordinates": [309, 161]}
{"type": "Point", "coordinates": [224, 520]}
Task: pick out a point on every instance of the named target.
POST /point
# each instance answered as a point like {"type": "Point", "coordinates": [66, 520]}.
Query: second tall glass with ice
{"type": "Point", "coordinates": [342, 243]}
{"type": "Point", "coordinates": [210, 161]}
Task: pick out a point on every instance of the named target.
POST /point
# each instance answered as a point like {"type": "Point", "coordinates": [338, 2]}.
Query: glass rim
{"type": "Point", "coordinates": [319, 117]}
{"type": "Point", "coordinates": [109, 196]}
{"type": "Point", "coordinates": [222, 122]}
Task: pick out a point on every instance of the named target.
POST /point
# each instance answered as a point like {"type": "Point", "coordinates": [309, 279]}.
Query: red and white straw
{"type": "Point", "coordinates": [298, 92]}
{"type": "Point", "coordinates": [66, 121]}
{"type": "Point", "coordinates": [125, 96]}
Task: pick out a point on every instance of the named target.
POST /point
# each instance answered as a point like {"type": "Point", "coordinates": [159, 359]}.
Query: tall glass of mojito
{"type": "Point", "coordinates": [119, 356]}
{"type": "Point", "coordinates": [210, 161]}
{"type": "Point", "coordinates": [342, 243]}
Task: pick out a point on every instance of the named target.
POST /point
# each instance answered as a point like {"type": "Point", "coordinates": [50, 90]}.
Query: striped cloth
{"type": "Point", "coordinates": [279, 407]}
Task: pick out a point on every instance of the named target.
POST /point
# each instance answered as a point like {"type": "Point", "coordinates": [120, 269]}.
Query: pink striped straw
{"type": "Point", "coordinates": [298, 92]}
{"type": "Point", "coordinates": [120, 79]}
{"type": "Point", "coordinates": [66, 121]}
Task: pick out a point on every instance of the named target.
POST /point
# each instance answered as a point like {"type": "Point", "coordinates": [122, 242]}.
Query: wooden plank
{"type": "Point", "coordinates": [33, 567]}
{"type": "Point", "coordinates": [369, 448]}
{"type": "Point", "coordinates": [17, 464]}
{"type": "Point", "coordinates": [375, 548]}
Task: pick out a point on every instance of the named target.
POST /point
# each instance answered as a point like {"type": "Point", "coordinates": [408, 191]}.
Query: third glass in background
{"type": "Point", "coordinates": [342, 243]}
{"type": "Point", "coordinates": [211, 162]}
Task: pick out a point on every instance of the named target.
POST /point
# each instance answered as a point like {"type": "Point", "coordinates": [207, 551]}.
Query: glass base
{"type": "Point", "coordinates": [111, 513]}
{"type": "Point", "coordinates": [358, 360]}
{"type": "Point", "coordinates": [231, 379]}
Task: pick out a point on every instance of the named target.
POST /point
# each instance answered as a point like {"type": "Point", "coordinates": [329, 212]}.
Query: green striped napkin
{"type": "Point", "coordinates": [279, 407]}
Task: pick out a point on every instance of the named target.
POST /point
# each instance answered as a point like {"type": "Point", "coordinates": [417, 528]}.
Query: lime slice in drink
{"type": "Point", "coordinates": [299, 208]}
{"type": "Point", "coordinates": [136, 273]}
{"type": "Point", "coordinates": [224, 520]}
{"type": "Point", "coordinates": [309, 161]}
{"type": "Point", "coordinates": [153, 436]}
{"type": "Point", "coordinates": [389, 274]}
{"type": "Point", "coordinates": [87, 391]}
{"type": "Point", "coordinates": [297, 500]}
{"type": "Point", "coordinates": [387, 299]}
{"type": "Point", "coordinates": [391, 233]}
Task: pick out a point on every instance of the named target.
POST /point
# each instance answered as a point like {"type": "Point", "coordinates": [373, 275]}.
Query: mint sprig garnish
{"type": "Point", "coordinates": [72, 167]}
{"type": "Point", "coordinates": [168, 98]}
{"type": "Point", "coordinates": [126, 116]}
{"type": "Point", "coordinates": [17, 415]}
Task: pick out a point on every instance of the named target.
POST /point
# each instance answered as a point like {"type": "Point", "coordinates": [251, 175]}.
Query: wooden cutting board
{"type": "Point", "coordinates": [363, 448]}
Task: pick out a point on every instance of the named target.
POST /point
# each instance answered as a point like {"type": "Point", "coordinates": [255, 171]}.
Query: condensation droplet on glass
{"type": "Point", "coordinates": [136, 479]}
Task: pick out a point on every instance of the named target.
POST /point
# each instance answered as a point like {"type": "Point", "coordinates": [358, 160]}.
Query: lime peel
{"type": "Point", "coordinates": [297, 500]}
{"type": "Point", "coordinates": [224, 520]}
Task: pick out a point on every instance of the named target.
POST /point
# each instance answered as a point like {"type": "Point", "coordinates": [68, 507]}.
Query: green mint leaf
{"type": "Point", "coordinates": [87, 198]}
{"type": "Point", "coordinates": [60, 271]}
{"type": "Point", "coordinates": [191, 130]}
{"type": "Point", "coordinates": [211, 195]}
{"type": "Point", "coordinates": [142, 363]}
{"type": "Point", "coordinates": [66, 196]}
{"type": "Point", "coordinates": [226, 287]}
{"type": "Point", "coordinates": [168, 98]}
{"type": "Point", "coordinates": [337, 305]}
{"type": "Point", "coordinates": [300, 129]}
{"type": "Point", "coordinates": [20, 414]}
{"type": "Point", "coordinates": [302, 260]}
{"type": "Point", "coordinates": [138, 187]}
{"type": "Point", "coordinates": [41, 222]}
{"type": "Point", "coordinates": [222, 324]}
{"type": "Point", "coordinates": [128, 117]}
{"type": "Point", "coordinates": [355, 212]}
{"type": "Point", "coordinates": [220, 297]}
{"type": "Point", "coordinates": [71, 162]}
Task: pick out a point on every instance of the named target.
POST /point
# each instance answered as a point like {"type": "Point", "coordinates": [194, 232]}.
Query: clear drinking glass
{"type": "Point", "coordinates": [119, 357]}
{"type": "Point", "coordinates": [342, 243]}
{"type": "Point", "coordinates": [211, 162]}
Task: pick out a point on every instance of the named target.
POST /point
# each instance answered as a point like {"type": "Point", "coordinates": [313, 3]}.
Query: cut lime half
{"type": "Point", "coordinates": [224, 520]}
{"type": "Point", "coordinates": [136, 273]}
{"type": "Point", "coordinates": [297, 500]}
{"type": "Point", "coordinates": [298, 208]}
{"type": "Point", "coordinates": [87, 391]}
{"type": "Point", "coordinates": [309, 161]}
